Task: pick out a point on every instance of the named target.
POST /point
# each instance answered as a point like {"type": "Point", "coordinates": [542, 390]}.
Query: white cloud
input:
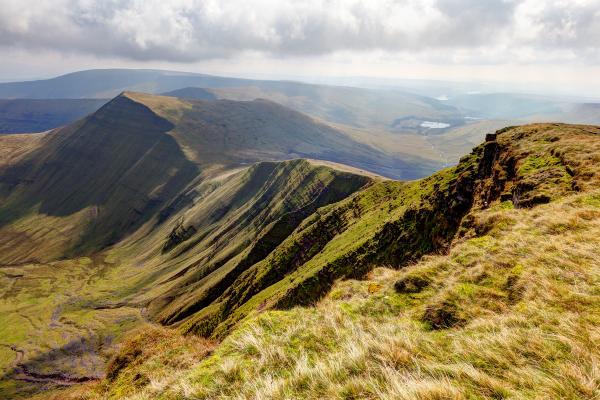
{"type": "Point", "coordinates": [459, 31]}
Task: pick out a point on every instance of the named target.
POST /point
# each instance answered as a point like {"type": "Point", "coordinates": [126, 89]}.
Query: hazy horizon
{"type": "Point", "coordinates": [522, 46]}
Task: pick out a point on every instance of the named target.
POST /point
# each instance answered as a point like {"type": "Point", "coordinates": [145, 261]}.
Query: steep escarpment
{"type": "Point", "coordinates": [495, 278]}
{"type": "Point", "coordinates": [394, 223]}
{"type": "Point", "coordinates": [230, 226]}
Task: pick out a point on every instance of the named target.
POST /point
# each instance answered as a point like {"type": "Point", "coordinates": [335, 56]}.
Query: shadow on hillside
{"type": "Point", "coordinates": [118, 163]}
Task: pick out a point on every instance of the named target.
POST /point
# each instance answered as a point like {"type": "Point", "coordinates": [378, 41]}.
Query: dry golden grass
{"type": "Point", "coordinates": [170, 108]}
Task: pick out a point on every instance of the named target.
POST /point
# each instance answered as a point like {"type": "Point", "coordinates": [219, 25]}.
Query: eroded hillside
{"type": "Point", "coordinates": [503, 305]}
{"type": "Point", "coordinates": [108, 221]}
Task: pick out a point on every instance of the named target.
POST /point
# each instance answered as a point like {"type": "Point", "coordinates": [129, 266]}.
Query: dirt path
{"type": "Point", "coordinates": [22, 373]}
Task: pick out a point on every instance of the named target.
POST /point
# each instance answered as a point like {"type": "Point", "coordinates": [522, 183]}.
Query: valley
{"type": "Point", "coordinates": [172, 246]}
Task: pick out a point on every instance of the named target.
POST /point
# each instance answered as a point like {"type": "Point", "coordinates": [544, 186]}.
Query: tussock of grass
{"type": "Point", "coordinates": [153, 358]}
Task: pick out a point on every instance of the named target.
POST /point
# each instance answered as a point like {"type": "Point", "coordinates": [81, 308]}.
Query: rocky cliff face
{"type": "Point", "coordinates": [394, 223]}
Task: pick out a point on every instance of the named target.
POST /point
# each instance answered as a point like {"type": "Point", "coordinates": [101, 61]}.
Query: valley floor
{"type": "Point", "coordinates": [59, 323]}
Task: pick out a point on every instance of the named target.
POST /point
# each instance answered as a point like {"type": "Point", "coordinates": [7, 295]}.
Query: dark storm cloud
{"type": "Point", "coordinates": [191, 30]}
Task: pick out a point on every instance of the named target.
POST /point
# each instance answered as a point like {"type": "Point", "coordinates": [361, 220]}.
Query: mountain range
{"type": "Point", "coordinates": [233, 239]}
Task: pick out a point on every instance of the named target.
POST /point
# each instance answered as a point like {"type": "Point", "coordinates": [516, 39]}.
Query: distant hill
{"type": "Point", "coordinates": [105, 83]}
{"type": "Point", "coordinates": [415, 128]}
{"type": "Point", "coordinates": [353, 106]}
{"type": "Point", "coordinates": [583, 113]}
{"type": "Point", "coordinates": [37, 115]}
{"type": "Point", "coordinates": [505, 105]}
{"type": "Point", "coordinates": [194, 93]}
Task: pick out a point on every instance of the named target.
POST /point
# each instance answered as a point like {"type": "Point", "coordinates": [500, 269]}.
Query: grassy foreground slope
{"type": "Point", "coordinates": [510, 311]}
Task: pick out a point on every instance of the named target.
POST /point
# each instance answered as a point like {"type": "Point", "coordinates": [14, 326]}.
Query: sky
{"type": "Point", "coordinates": [554, 43]}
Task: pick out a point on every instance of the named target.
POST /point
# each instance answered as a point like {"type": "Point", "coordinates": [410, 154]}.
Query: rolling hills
{"type": "Point", "coordinates": [397, 121]}
{"type": "Point", "coordinates": [352, 106]}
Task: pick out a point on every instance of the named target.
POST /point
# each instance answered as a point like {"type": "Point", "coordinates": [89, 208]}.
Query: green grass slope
{"type": "Point", "coordinates": [55, 327]}
{"type": "Point", "coordinates": [503, 305]}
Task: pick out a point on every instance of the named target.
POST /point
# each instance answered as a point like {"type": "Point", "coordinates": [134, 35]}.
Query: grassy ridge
{"type": "Point", "coordinates": [511, 311]}
{"type": "Point", "coordinates": [237, 223]}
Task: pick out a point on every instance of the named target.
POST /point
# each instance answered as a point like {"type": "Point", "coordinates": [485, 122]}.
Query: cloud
{"type": "Point", "coordinates": [471, 31]}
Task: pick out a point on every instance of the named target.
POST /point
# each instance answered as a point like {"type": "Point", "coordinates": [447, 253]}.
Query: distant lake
{"type": "Point", "coordinates": [434, 125]}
